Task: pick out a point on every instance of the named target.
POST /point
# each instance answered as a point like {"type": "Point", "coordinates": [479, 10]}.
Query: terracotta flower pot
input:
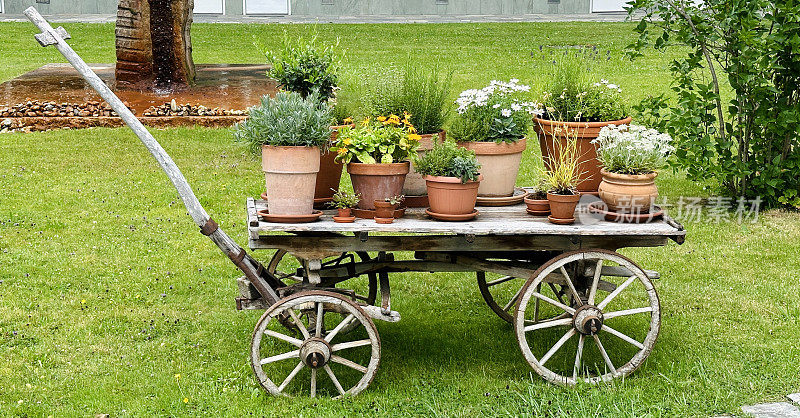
{"type": "Point", "coordinates": [449, 196]}
{"type": "Point", "coordinates": [291, 174]}
{"type": "Point", "coordinates": [345, 212]}
{"type": "Point", "coordinates": [377, 181]}
{"type": "Point", "coordinates": [415, 185]}
{"type": "Point", "coordinates": [330, 172]}
{"type": "Point", "coordinates": [562, 207]}
{"type": "Point", "coordinates": [628, 193]}
{"type": "Point", "coordinates": [537, 206]}
{"type": "Point", "coordinates": [589, 166]}
{"type": "Point", "coordinates": [499, 166]}
{"type": "Point", "coordinates": [344, 215]}
{"type": "Point", "coordinates": [384, 209]}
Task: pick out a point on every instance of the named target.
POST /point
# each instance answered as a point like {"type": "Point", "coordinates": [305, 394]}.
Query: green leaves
{"type": "Point", "coordinates": [286, 120]}
{"type": "Point", "coordinates": [449, 160]}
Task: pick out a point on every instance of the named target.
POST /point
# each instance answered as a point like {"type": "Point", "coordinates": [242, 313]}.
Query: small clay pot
{"type": "Point", "coordinates": [562, 207]}
{"type": "Point", "coordinates": [344, 216]}
{"type": "Point", "coordinates": [384, 210]}
{"type": "Point", "coordinates": [449, 196]}
{"type": "Point", "coordinates": [537, 206]}
{"type": "Point", "coordinates": [628, 193]}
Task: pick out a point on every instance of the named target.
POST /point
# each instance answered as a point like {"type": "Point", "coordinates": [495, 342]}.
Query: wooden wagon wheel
{"type": "Point", "coordinates": [350, 361]}
{"type": "Point", "coordinates": [288, 274]}
{"type": "Point", "coordinates": [624, 307]}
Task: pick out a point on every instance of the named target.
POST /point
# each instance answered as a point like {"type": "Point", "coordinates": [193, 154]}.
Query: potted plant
{"type": "Point", "coordinates": [289, 131]}
{"type": "Point", "coordinates": [493, 122]}
{"type": "Point", "coordinates": [344, 203]}
{"type": "Point", "coordinates": [562, 178]}
{"type": "Point", "coordinates": [377, 155]}
{"type": "Point", "coordinates": [630, 155]}
{"type": "Point", "coordinates": [536, 200]}
{"type": "Point", "coordinates": [385, 208]}
{"type": "Point", "coordinates": [576, 100]}
{"type": "Point", "coordinates": [452, 178]}
{"type": "Point", "coordinates": [421, 95]}
{"type": "Point", "coordinates": [310, 68]}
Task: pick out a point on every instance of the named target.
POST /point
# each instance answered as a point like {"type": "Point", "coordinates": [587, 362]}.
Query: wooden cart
{"type": "Point", "coordinates": [551, 282]}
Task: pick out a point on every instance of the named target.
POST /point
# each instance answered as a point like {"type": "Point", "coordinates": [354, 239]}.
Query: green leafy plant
{"type": "Point", "coordinates": [632, 149]}
{"type": "Point", "coordinates": [495, 113]}
{"type": "Point", "coordinates": [395, 200]}
{"type": "Point", "coordinates": [381, 140]}
{"type": "Point", "coordinates": [286, 120]}
{"type": "Point", "coordinates": [418, 92]}
{"type": "Point", "coordinates": [305, 66]}
{"type": "Point", "coordinates": [449, 160]}
{"type": "Point", "coordinates": [572, 93]}
{"type": "Point", "coordinates": [539, 190]}
{"type": "Point", "coordinates": [745, 140]}
{"type": "Point", "coordinates": [343, 199]}
{"type": "Point", "coordinates": [564, 163]}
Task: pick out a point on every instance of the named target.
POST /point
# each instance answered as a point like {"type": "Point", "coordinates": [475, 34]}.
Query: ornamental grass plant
{"type": "Point", "coordinates": [564, 172]}
{"type": "Point", "coordinates": [419, 92]}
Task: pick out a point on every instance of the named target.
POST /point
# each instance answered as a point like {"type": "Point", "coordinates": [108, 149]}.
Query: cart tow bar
{"type": "Point", "coordinates": [252, 269]}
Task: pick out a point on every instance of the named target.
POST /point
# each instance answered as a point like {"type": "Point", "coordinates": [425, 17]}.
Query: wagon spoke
{"type": "Point", "coordinates": [349, 363]}
{"type": "Point", "coordinates": [291, 340]}
{"type": "Point", "coordinates": [313, 382]}
{"type": "Point", "coordinates": [548, 324]}
{"type": "Point", "coordinates": [622, 336]}
{"type": "Point", "coordinates": [625, 312]}
{"type": "Point", "coordinates": [279, 357]}
{"type": "Point", "coordinates": [604, 353]}
{"type": "Point", "coordinates": [557, 346]}
{"type": "Point", "coordinates": [536, 304]}
{"type": "Point", "coordinates": [334, 379]}
{"type": "Point", "coordinates": [578, 355]}
{"type": "Point", "coordinates": [339, 327]}
{"type": "Point", "coordinates": [500, 280]}
{"type": "Point", "coordinates": [616, 292]}
{"type": "Point", "coordinates": [513, 300]}
{"type": "Point", "coordinates": [596, 281]}
{"type": "Point", "coordinates": [299, 324]}
{"type": "Point", "coordinates": [350, 344]}
{"type": "Point", "coordinates": [571, 286]}
{"type": "Point", "coordinates": [320, 319]}
{"type": "Point", "coordinates": [553, 302]}
{"type": "Point", "coordinates": [291, 376]}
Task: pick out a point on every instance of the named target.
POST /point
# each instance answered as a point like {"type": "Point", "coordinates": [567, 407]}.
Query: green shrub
{"type": "Point", "coordinates": [449, 160]}
{"type": "Point", "coordinates": [343, 199]}
{"type": "Point", "coordinates": [420, 93]}
{"type": "Point", "coordinates": [749, 143]}
{"type": "Point", "coordinates": [305, 67]}
{"type": "Point", "coordinates": [286, 120]}
{"type": "Point", "coordinates": [572, 93]}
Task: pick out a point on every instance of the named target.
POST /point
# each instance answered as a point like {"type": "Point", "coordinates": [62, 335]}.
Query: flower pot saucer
{"type": "Point", "coordinates": [517, 197]}
{"type": "Point", "coordinates": [633, 218]}
{"type": "Point", "coordinates": [370, 213]}
{"type": "Point", "coordinates": [538, 212]}
{"type": "Point", "coordinates": [318, 203]}
{"type": "Point", "coordinates": [290, 219]}
{"type": "Point", "coordinates": [560, 221]}
{"type": "Point", "coordinates": [344, 219]}
{"type": "Point", "coordinates": [452, 218]}
{"type": "Point", "coordinates": [384, 220]}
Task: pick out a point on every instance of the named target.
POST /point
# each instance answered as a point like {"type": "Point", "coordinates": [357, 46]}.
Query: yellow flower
{"type": "Point", "coordinates": [394, 120]}
{"type": "Point", "coordinates": [381, 118]}
{"type": "Point", "coordinates": [348, 120]}
{"type": "Point", "coordinates": [185, 400]}
{"type": "Point", "coordinates": [365, 122]}
{"type": "Point", "coordinates": [411, 129]}
{"type": "Point", "coordinates": [414, 137]}
{"type": "Point", "coordinates": [342, 151]}
{"type": "Point", "coordinates": [347, 141]}
{"type": "Point", "coordinates": [177, 376]}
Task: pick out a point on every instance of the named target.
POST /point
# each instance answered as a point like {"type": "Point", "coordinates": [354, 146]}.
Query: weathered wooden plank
{"type": "Point", "coordinates": [313, 246]}
{"type": "Point", "coordinates": [509, 220]}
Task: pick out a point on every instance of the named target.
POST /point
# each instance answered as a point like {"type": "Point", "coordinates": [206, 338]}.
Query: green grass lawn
{"type": "Point", "coordinates": [112, 302]}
